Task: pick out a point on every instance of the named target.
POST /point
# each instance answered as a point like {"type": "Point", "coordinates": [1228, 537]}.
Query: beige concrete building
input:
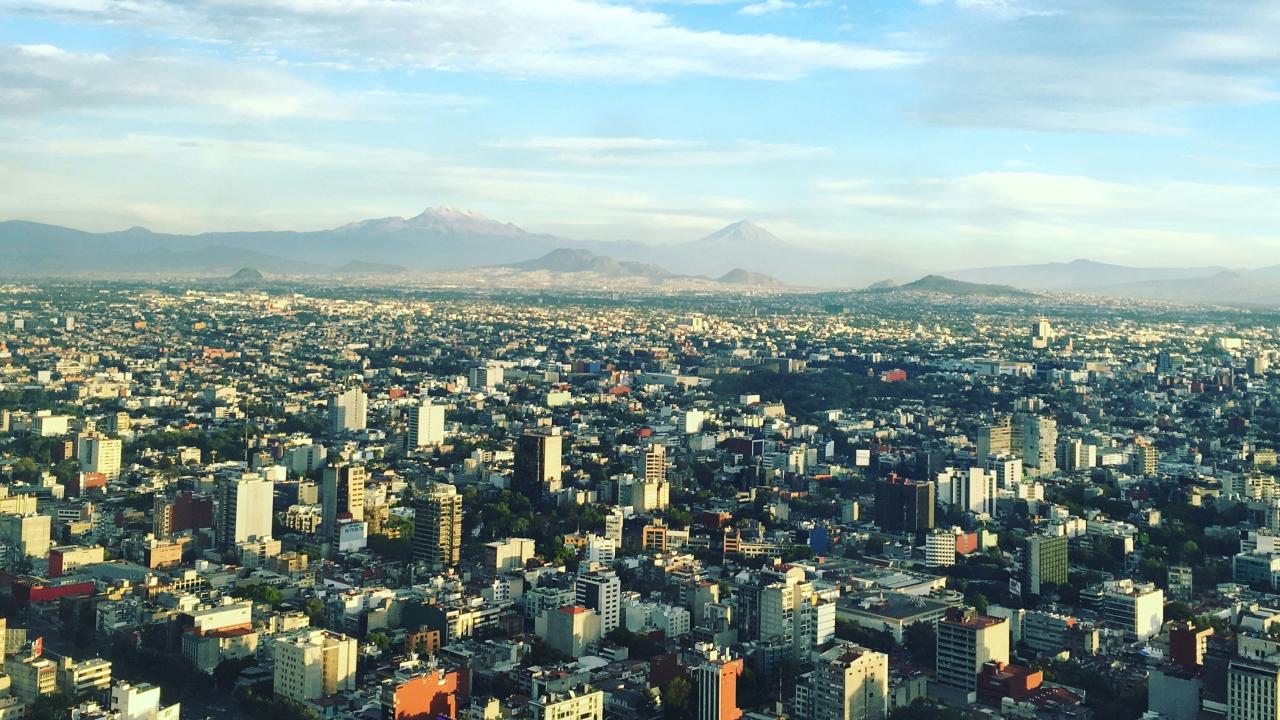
{"type": "Point", "coordinates": [314, 664]}
{"type": "Point", "coordinates": [968, 640]}
{"type": "Point", "coordinates": [571, 629]}
{"type": "Point", "coordinates": [580, 704]}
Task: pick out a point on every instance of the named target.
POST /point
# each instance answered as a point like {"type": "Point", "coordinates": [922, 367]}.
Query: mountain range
{"type": "Point", "coordinates": [439, 239]}
{"type": "Point", "coordinates": [460, 244]}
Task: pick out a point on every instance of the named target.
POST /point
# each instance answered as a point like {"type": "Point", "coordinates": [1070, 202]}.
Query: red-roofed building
{"type": "Point", "coordinates": [999, 680]}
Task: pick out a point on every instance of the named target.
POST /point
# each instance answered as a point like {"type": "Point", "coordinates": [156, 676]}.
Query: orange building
{"type": "Point", "coordinates": [717, 682]}
{"type": "Point", "coordinates": [423, 697]}
{"type": "Point", "coordinates": [424, 641]}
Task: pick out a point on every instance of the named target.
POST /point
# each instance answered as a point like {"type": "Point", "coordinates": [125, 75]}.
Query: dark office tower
{"type": "Point", "coordinates": [1167, 363]}
{"type": "Point", "coordinates": [1046, 561]}
{"type": "Point", "coordinates": [437, 528]}
{"type": "Point", "coordinates": [539, 462]}
{"type": "Point", "coordinates": [931, 459]}
{"type": "Point", "coordinates": [904, 506]}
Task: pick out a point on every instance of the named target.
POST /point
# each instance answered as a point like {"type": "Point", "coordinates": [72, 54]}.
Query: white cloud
{"type": "Point", "coordinates": [568, 39]}
{"type": "Point", "coordinates": [767, 6]}
{"type": "Point", "coordinates": [1097, 65]}
{"type": "Point", "coordinates": [43, 78]}
{"type": "Point", "coordinates": [1035, 212]}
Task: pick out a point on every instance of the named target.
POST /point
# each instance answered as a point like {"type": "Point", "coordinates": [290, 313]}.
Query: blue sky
{"type": "Point", "coordinates": [938, 133]}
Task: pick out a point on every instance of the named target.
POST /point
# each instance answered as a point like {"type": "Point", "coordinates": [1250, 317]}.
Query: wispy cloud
{"type": "Point", "coordinates": [568, 39]}
{"type": "Point", "coordinates": [1032, 209]}
{"type": "Point", "coordinates": [658, 151]}
{"type": "Point", "coordinates": [44, 78]}
{"type": "Point", "coordinates": [1096, 65]}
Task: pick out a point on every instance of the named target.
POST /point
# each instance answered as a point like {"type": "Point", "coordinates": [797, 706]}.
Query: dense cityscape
{"type": "Point", "coordinates": [293, 501]}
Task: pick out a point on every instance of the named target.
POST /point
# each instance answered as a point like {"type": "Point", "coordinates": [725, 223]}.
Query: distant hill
{"type": "Point", "coordinates": [754, 249]}
{"type": "Point", "coordinates": [939, 285]}
{"type": "Point", "coordinates": [360, 267]}
{"type": "Point", "coordinates": [882, 285]}
{"type": "Point", "coordinates": [1076, 275]}
{"type": "Point", "coordinates": [738, 276]}
{"type": "Point", "coordinates": [246, 276]}
{"type": "Point", "coordinates": [1212, 285]}
{"type": "Point", "coordinates": [577, 260]}
{"type": "Point", "coordinates": [1256, 288]}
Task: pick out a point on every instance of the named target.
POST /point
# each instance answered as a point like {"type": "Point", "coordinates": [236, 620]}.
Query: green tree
{"type": "Point", "coordinates": [675, 699]}
{"type": "Point", "coordinates": [51, 707]}
{"type": "Point", "coordinates": [921, 640]}
{"type": "Point", "coordinates": [1178, 611]}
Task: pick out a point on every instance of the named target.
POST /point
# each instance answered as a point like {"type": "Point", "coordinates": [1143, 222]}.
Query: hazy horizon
{"type": "Point", "coordinates": [968, 132]}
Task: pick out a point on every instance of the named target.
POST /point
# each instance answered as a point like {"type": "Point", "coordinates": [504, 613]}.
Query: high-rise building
{"type": "Point", "coordinates": [972, 490]}
{"type": "Point", "coordinates": [27, 535]}
{"type": "Point", "coordinates": [437, 532]}
{"type": "Point", "coordinates": [508, 555]}
{"type": "Point", "coordinates": [601, 591]}
{"type": "Point", "coordinates": [643, 495]}
{"type": "Point", "coordinates": [100, 454]}
{"type": "Point", "coordinates": [1168, 363]}
{"type": "Point", "coordinates": [426, 425]}
{"type": "Point", "coordinates": [789, 611]}
{"type": "Point", "coordinates": [1188, 644]}
{"type": "Point", "coordinates": [940, 547]}
{"type": "Point", "coordinates": [1180, 582]}
{"type": "Point", "coordinates": [1259, 365]}
{"type": "Point", "coordinates": [341, 498]}
{"type": "Point", "coordinates": [848, 682]}
{"type": "Point", "coordinates": [904, 506]}
{"type": "Point", "coordinates": [119, 422]}
{"type": "Point", "coordinates": [570, 629]}
{"type": "Point", "coordinates": [995, 439]}
{"type": "Point", "coordinates": [539, 462]}
{"type": "Point", "coordinates": [1039, 443]}
{"type": "Point", "coordinates": [654, 463]}
{"type": "Point", "coordinates": [1253, 690]}
{"type": "Point", "coordinates": [1041, 334]}
{"type": "Point", "coordinates": [715, 679]}
{"type": "Point", "coordinates": [1136, 608]}
{"type": "Point", "coordinates": [1146, 459]}
{"type": "Point", "coordinates": [243, 509]}
{"type": "Point", "coordinates": [1046, 561]}
{"type": "Point", "coordinates": [186, 510]}
{"type": "Point", "coordinates": [314, 664]}
{"type": "Point", "coordinates": [486, 376]}
{"type": "Point", "coordinates": [967, 640]}
{"type": "Point", "coordinates": [1076, 454]}
{"type": "Point", "coordinates": [613, 524]}
{"type": "Point", "coordinates": [348, 411]}
{"type": "Point", "coordinates": [1007, 467]}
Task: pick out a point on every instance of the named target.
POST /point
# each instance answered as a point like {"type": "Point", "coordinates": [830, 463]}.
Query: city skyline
{"type": "Point", "coordinates": [951, 130]}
